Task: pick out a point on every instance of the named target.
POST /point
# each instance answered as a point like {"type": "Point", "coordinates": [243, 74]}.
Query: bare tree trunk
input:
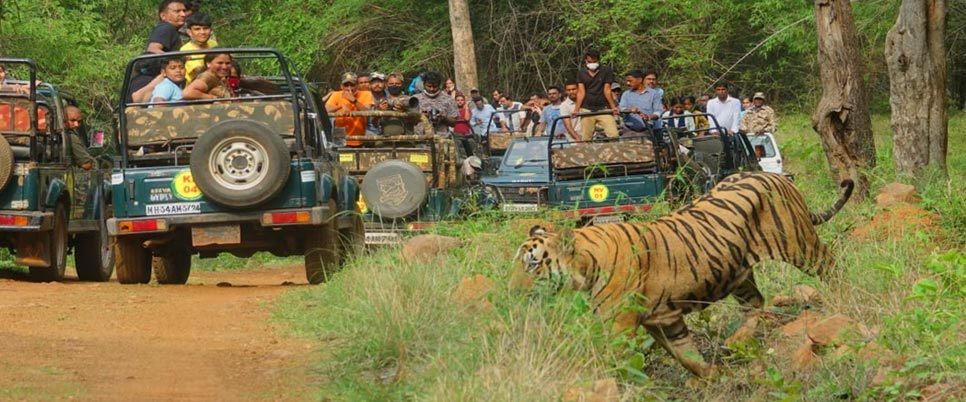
{"type": "Point", "coordinates": [916, 55]}
{"type": "Point", "coordinates": [842, 116]}
{"type": "Point", "coordinates": [464, 50]}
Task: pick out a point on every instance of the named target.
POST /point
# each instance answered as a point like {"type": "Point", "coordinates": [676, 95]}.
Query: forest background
{"type": "Point", "coordinates": [521, 46]}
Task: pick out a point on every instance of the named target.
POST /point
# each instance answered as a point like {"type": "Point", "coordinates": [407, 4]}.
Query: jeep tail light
{"type": "Point", "coordinates": [286, 218]}
{"type": "Point", "coordinates": [420, 226]}
{"type": "Point", "coordinates": [143, 225]}
{"type": "Point", "coordinates": [10, 220]}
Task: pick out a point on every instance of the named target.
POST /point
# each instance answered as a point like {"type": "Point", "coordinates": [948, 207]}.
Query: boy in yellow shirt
{"type": "Point", "coordinates": [199, 30]}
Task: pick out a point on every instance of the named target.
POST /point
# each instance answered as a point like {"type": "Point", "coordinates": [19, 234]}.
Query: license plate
{"type": "Point", "coordinates": [374, 238]}
{"type": "Point", "coordinates": [173, 209]}
{"type": "Point", "coordinates": [520, 208]}
{"type": "Point", "coordinates": [220, 234]}
{"type": "Point", "coordinates": [599, 219]}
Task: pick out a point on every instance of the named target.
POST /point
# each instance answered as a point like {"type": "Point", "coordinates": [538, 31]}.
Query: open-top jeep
{"type": "Point", "coordinates": [254, 172]}
{"type": "Point", "coordinates": [409, 180]}
{"type": "Point", "coordinates": [603, 179]}
{"type": "Point", "coordinates": [47, 202]}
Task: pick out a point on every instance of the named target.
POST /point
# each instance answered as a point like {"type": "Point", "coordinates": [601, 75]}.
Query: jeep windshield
{"type": "Point", "coordinates": [531, 151]}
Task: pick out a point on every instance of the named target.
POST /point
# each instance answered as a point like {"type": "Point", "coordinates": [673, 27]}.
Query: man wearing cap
{"type": "Point", "coordinates": [759, 118]}
{"type": "Point", "coordinates": [380, 99]}
{"type": "Point", "coordinates": [476, 92]}
{"type": "Point", "coordinates": [350, 99]}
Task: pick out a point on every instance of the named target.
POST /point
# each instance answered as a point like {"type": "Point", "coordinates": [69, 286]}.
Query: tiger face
{"type": "Point", "coordinates": [545, 255]}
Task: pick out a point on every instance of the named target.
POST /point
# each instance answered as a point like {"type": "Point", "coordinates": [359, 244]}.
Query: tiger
{"type": "Point", "coordinates": [652, 274]}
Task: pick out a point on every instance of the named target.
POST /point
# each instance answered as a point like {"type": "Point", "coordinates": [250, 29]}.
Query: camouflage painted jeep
{"type": "Point", "coordinates": [604, 179]}
{"type": "Point", "coordinates": [409, 181]}
{"type": "Point", "coordinates": [47, 202]}
{"type": "Point", "coordinates": [255, 172]}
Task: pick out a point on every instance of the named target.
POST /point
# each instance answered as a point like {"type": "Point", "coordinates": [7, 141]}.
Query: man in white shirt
{"type": "Point", "coordinates": [567, 108]}
{"type": "Point", "coordinates": [511, 114]}
{"type": "Point", "coordinates": [725, 109]}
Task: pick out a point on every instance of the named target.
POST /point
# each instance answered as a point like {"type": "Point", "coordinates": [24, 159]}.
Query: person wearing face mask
{"type": "Point", "coordinates": [431, 99]}
{"type": "Point", "coordinates": [594, 95]}
{"type": "Point", "coordinates": [394, 92]}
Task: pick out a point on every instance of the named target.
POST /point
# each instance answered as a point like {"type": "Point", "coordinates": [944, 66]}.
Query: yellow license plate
{"type": "Point", "coordinates": [346, 157]}
{"type": "Point", "coordinates": [421, 158]}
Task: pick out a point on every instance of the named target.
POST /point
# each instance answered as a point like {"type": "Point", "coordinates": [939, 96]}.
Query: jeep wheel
{"type": "Point", "coordinates": [394, 189]}
{"type": "Point", "coordinates": [6, 164]}
{"type": "Point", "coordinates": [240, 163]}
{"type": "Point", "coordinates": [353, 238]}
{"type": "Point", "coordinates": [322, 256]}
{"type": "Point", "coordinates": [93, 254]}
{"type": "Point", "coordinates": [172, 268]}
{"type": "Point", "coordinates": [57, 247]}
{"type": "Point", "coordinates": [133, 262]}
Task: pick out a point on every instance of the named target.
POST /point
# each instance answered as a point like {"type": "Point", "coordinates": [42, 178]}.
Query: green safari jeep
{"type": "Point", "coordinates": [252, 172]}
{"type": "Point", "coordinates": [47, 202]}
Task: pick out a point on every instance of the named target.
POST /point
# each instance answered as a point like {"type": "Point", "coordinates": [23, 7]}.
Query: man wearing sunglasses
{"type": "Point", "coordinates": [350, 99]}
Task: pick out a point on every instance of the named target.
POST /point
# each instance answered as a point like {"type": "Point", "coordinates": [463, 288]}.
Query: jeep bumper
{"type": "Point", "coordinates": [276, 218]}
{"type": "Point", "coordinates": [28, 221]}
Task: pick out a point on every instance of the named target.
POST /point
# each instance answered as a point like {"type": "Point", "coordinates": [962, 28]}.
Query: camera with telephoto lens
{"type": "Point", "coordinates": [404, 103]}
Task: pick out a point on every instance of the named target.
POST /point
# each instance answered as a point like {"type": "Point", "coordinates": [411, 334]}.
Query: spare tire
{"type": "Point", "coordinates": [240, 163]}
{"type": "Point", "coordinates": [6, 163]}
{"type": "Point", "coordinates": [394, 189]}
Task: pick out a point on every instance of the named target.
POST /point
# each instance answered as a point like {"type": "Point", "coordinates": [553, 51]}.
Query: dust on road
{"type": "Point", "coordinates": [109, 342]}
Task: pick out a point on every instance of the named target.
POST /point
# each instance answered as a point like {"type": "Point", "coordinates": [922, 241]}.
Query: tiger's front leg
{"type": "Point", "coordinates": [670, 331]}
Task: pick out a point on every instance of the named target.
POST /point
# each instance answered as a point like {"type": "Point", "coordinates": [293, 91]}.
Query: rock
{"type": "Point", "coordinates": [783, 301]}
{"type": "Point", "coordinates": [472, 292]}
{"type": "Point", "coordinates": [744, 333]}
{"type": "Point", "coordinates": [805, 320]}
{"type": "Point", "coordinates": [896, 193]}
{"type": "Point", "coordinates": [806, 295]}
{"type": "Point", "coordinates": [804, 357]}
{"type": "Point", "coordinates": [426, 246]}
{"type": "Point", "coordinates": [875, 352]}
{"type": "Point", "coordinates": [602, 391]}
{"type": "Point", "coordinates": [829, 331]}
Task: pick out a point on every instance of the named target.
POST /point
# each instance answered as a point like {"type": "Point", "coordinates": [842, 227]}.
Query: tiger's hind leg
{"type": "Point", "coordinates": [674, 336]}
{"type": "Point", "coordinates": [752, 303]}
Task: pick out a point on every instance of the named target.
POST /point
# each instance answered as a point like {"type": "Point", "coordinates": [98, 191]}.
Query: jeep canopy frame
{"type": "Point", "coordinates": [295, 88]}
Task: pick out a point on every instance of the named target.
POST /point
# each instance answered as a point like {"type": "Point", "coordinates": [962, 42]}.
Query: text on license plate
{"type": "Point", "coordinates": [599, 219]}
{"type": "Point", "coordinates": [520, 208]}
{"type": "Point", "coordinates": [171, 209]}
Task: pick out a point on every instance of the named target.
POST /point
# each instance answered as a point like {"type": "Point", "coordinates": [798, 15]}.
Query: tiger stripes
{"type": "Point", "coordinates": [687, 260]}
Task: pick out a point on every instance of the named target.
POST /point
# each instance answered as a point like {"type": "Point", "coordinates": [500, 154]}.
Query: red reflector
{"type": "Point", "coordinates": [142, 226]}
{"type": "Point", "coordinates": [284, 217]}
{"type": "Point", "coordinates": [6, 220]}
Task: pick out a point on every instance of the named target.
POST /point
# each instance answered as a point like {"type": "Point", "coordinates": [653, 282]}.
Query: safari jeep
{"type": "Point", "coordinates": [47, 202]}
{"type": "Point", "coordinates": [255, 172]}
{"type": "Point", "coordinates": [409, 181]}
{"type": "Point", "coordinates": [604, 179]}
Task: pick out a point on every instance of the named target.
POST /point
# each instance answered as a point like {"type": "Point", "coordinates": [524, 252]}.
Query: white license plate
{"type": "Point", "coordinates": [173, 209]}
{"type": "Point", "coordinates": [520, 208]}
{"type": "Point", "coordinates": [374, 238]}
{"type": "Point", "coordinates": [599, 219]}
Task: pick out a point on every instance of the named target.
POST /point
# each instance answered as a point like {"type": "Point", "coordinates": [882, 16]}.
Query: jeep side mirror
{"type": "Point", "coordinates": [96, 139]}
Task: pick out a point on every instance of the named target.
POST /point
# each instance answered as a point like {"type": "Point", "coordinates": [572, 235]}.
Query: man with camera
{"type": "Point", "coordinates": [439, 108]}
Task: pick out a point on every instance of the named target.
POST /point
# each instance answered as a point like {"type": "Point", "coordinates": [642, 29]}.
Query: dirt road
{"type": "Point", "coordinates": [107, 342]}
